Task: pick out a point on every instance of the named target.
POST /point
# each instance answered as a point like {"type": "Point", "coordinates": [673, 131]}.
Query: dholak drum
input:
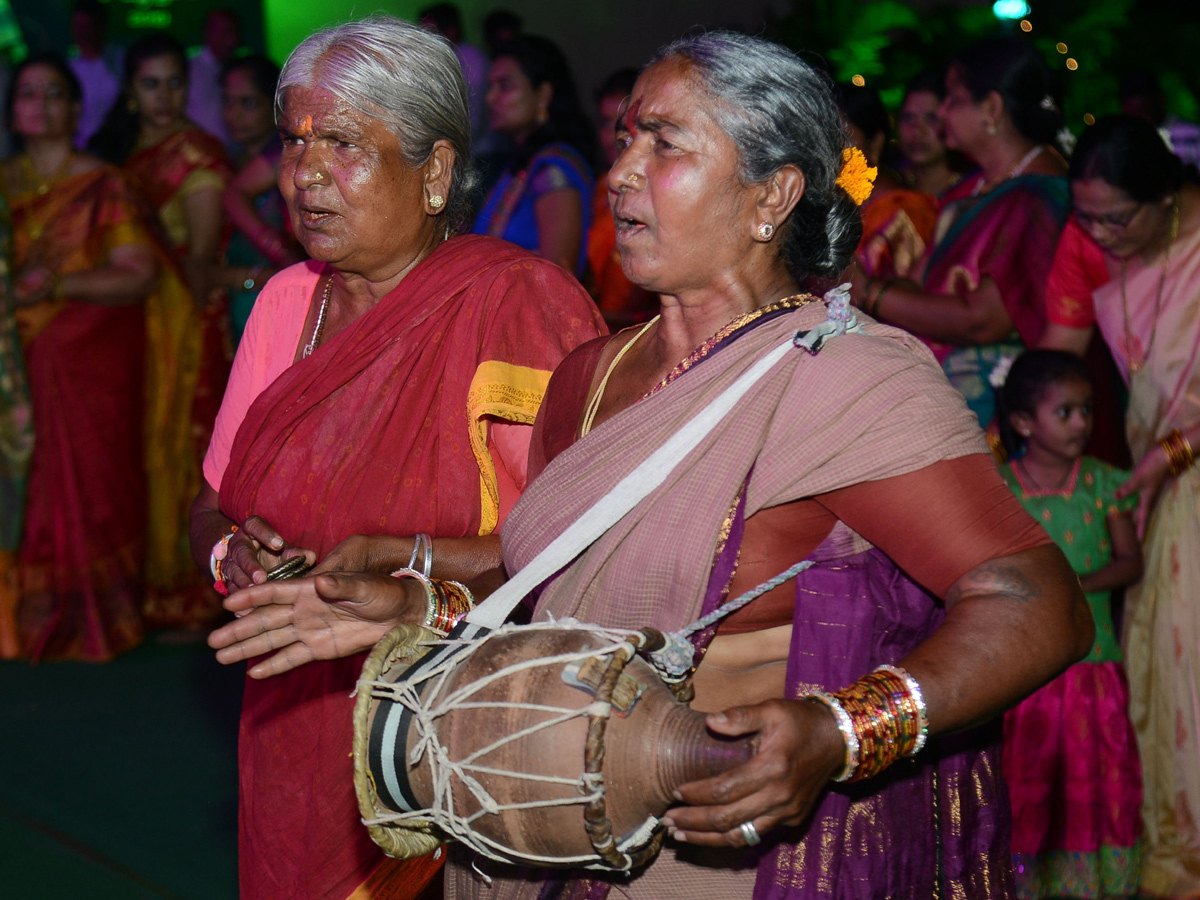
{"type": "Point", "coordinates": [551, 744]}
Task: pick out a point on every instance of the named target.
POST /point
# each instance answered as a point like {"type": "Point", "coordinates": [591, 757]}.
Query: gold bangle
{"type": "Point", "coordinates": [1178, 450]}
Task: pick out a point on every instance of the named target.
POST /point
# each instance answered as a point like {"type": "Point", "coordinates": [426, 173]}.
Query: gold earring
{"type": "Point", "coordinates": [765, 231]}
{"type": "Point", "coordinates": [437, 201]}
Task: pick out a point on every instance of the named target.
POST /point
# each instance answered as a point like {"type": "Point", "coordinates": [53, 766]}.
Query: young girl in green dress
{"type": "Point", "coordinates": [1070, 755]}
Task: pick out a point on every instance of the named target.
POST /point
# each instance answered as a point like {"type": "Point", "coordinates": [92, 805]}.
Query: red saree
{"type": "Point", "coordinates": [81, 546]}
{"type": "Point", "coordinates": [382, 430]}
{"type": "Point", "coordinates": [187, 365]}
{"type": "Point", "coordinates": [897, 227]}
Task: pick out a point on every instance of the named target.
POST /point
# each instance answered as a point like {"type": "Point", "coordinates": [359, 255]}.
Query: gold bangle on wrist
{"type": "Point", "coordinates": [1178, 450]}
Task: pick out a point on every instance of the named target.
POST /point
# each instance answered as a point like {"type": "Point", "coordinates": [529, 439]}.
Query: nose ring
{"type": "Point", "coordinates": [633, 177]}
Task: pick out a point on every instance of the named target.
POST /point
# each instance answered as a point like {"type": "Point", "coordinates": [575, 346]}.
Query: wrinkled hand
{"type": "Point", "coordinates": [1147, 482]}
{"type": "Point", "coordinates": [253, 551]}
{"type": "Point", "coordinates": [33, 286]}
{"type": "Point", "coordinates": [303, 619]}
{"type": "Point", "coordinates": [799, 750]}
{"type": "Point", "coordinates": [361, 553]}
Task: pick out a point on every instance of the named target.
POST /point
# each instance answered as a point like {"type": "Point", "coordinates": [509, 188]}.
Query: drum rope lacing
{"type": "Point", "coordinates": [443, 769]}
{"type": "Point", "coordinates": [674, 661]}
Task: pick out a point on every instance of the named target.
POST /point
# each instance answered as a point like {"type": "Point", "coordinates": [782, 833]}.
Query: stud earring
{"type": "Point", "coordinates": [766, 231]}
{"type": "Point", "coordinates": [437, 201]}
{"type": "Point", "coordinates": [991, 128]}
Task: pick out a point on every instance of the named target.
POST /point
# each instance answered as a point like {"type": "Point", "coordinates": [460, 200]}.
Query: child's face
{"type": "Point", "coordinates": [1062, 422]}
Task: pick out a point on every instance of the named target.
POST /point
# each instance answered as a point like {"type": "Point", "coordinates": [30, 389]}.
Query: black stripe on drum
{"type": "Point", "coordinates": [375, 751]}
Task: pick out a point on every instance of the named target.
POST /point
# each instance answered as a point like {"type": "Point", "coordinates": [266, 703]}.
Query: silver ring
{"type": "Point", "coordinates": [750, 833]}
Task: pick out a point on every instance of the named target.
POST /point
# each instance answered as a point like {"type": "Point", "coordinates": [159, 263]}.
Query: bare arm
{"type": "Point", "coordinates": [127, 278]}
{"type": "Point", "coordinates": [979, 317]}
{"type": "Point", "coordinates": [202, 210]}
{"type": "Point", "coordinates": [1125, 568]}
{"type": "Point", "coordinates": [257, 177]}
{"type": "Point", "coordinates": [1012, 624]}
{"type": "Point", "coordinates": [1066, 337]}
{"type": "Point", "coordinates": [559, 217]}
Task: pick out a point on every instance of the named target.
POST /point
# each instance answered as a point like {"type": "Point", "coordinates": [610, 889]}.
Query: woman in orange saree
{"type": "Point", "coordinates": [84, 264]}
{"type": "Point", "coordinates": [183, 171]}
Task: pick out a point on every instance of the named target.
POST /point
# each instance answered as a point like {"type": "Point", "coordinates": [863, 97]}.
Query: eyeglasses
{"type": "Point", "coordinates": [1118, 221]}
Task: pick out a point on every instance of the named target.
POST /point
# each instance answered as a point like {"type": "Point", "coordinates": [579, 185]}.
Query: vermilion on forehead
{"type": "Point", "coordinates": [328, 114]}
{"type": "Point", "coordinates": [631, 115]}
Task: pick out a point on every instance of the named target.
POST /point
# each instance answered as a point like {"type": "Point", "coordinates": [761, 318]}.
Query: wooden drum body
{"type": "Point", "coordinates": [546, 744]}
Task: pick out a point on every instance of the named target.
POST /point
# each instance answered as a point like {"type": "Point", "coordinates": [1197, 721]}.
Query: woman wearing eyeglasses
{"type": "Point", "coordinates": [978, 294]}
{"type": "Point", "coordinates": [1141, 211]}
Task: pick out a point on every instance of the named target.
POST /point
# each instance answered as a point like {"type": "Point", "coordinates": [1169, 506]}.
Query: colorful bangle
{"type": "Point", "coordinates": [845, 726]}
{"type": "Point", "coordinates": [1178, 450]}
{"type": "Point", "coordinates": [446, 602]}
{"type": "Point", "coordinates": [886, 714]}
{"type": "Point", "coordinates": [219, 551]}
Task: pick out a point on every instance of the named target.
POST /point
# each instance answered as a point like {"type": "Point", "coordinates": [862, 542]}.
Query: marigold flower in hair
{"type": "Point", "coordinates": [856, 178]}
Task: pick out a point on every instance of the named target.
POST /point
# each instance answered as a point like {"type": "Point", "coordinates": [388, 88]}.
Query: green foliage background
{"type": "Point", "coordinates": [888, 42]}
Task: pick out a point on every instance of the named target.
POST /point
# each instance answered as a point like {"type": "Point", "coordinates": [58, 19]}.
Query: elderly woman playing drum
{"type": "Point", "coordinates": [933, 602]}
{"type": "Point", "coordinates": [387, 387]}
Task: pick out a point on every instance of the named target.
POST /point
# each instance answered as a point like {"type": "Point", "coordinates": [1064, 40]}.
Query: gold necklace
{"type": "Point", "coordinates": [1137, 358]}
{"type": "Point", "coordinates": [33, 178]}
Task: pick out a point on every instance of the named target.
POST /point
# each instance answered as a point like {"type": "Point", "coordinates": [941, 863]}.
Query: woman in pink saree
{"type": "Point", "coordinates": [1132, 197]}
{"type": "Point", "coordinates": [978, 295]}
{"type": "Point", "coordinates": [727, 201]}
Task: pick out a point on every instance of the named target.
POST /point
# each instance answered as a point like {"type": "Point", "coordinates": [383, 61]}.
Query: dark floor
{"type": "Point", "coordinates": [119, 780]}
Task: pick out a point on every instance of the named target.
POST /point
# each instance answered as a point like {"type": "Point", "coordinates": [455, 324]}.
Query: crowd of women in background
{"type": "Point", "coordinates": [135, 266]}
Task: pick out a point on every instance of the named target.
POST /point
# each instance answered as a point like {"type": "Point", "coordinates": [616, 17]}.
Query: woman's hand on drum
{"type": "Point", "coordinates": [327, 617]}
{"type": "Point", "coordinates": [799, 749]}
{"type": "Point", "coordinates": [253, 551]}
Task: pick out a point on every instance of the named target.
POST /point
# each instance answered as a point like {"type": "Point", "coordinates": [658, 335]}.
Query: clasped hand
{"type": "Point", "coordinates": [337, 612]}
{"type": "Point", "coordinates": [798, 749]}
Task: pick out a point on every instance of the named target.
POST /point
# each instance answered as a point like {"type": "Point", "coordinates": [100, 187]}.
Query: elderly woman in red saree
{"type": "Point", "coordinates": [84, 264]}
{"type": "Point", "coordinates": [852, 451]}
{"type": "Point", "coordinates": [978, 296]}
{"type": "Point", "coordinates": [183, 171]}
{"type": "Point", "coordinates": [379, 410]}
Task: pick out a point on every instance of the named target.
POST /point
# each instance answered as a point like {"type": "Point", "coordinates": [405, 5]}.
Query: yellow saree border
{"type": "Point", "coordinates": [499, 390]}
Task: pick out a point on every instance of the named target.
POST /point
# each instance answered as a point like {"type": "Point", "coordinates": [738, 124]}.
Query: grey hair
{"type": "Point", "coordinates": [779, 110]}
{"type": "Point", "coordinates": [404, 76]}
